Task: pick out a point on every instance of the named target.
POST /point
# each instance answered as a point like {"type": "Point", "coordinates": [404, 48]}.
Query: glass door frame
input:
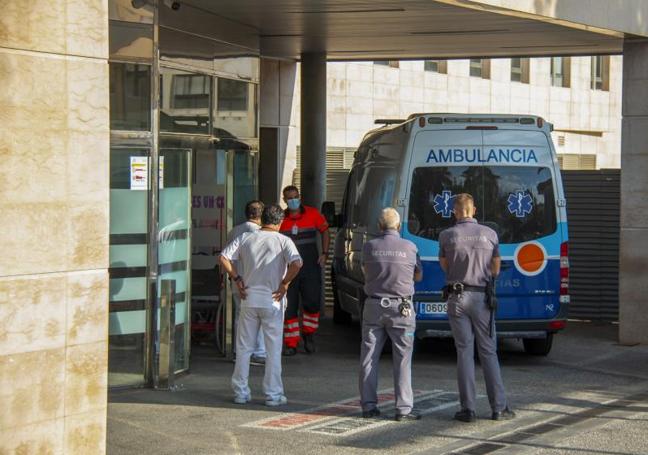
{"type": "Point", "coordinates": [187, 329]}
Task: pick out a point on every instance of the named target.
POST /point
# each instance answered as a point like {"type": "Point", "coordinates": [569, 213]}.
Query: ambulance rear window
{"type": "Point", "coordinates": [517, 202]}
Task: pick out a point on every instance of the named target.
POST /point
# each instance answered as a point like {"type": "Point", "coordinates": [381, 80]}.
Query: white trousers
{"type": "Point", "coordinates": [259, 350]}
{"type": "Point", "coordinates": [251, 321]}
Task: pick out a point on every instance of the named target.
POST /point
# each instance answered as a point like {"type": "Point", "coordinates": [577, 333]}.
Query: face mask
{"type": "Point", "coordinates": [293, 204]}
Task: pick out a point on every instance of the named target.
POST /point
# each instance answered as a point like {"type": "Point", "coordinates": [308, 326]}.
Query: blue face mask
{"type": "Point", "coordinates": [293, 204]}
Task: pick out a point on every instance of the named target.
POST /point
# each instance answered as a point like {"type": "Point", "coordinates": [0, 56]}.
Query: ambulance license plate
{"type": "Point", "coordinates": [433, 308]}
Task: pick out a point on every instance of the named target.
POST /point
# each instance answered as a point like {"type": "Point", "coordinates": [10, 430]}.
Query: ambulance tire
{"type": "Point", "coordinates": [539, 347]}
{"type": "Point", "coordinates": [340, 316]}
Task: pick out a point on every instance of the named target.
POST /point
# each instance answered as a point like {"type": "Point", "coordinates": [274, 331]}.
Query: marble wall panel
{"type": "Point", "coordinates": [85, 377]}
{"type": "Point", "coordinates": [53, 182]}
{"type": "Point", "coordinates": [40, 438]}
{"type": "Point", "coordinates": [71, 27]}
{"type": "Point", "coordinates": [33, 25]}
{"type": "Point", "coordinates": [31, 389]}
{"type": "Point", "coordinates": [86, 433]}
{"type": "Point", "coordinates": [32, 313]}
{"type": "Point", "coordinates": [88, 98]}
{"type": "Point", "coordinates": [87, 317]}
{"type": "Point", "coordinates": [85, 26]}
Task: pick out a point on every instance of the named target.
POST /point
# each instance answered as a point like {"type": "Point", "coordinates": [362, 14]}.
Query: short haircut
{"type": "Point", "coordinates": [253, 210]}
{"type": "Point", "coordinates": [272, 215]}
{"type": "Point", "coordinates": [290, 188]}
{"type": "Point", "coordinates": [389, 219]}
{"type": "Point", "coordinates": [463, 200]}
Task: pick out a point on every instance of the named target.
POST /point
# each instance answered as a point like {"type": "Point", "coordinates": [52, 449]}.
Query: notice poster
{"type": "Point", "coordinates": [161, 170]}
{"type": "Point", "coordinates": [139, 173]}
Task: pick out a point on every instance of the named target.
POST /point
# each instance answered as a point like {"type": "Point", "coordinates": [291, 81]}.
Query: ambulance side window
{"type": "Point", "coordinates": [379, 183]}
{"type": "Point", "coordinates": [350, 197]}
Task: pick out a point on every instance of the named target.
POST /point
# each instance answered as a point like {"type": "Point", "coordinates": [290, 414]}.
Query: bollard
{"type": "Point", "coordinates": [166, 364]}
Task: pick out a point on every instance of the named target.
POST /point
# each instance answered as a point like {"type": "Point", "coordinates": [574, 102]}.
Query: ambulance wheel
{"type": "Point", "coordinates": [339, 315]}
{"type": "Point", "coordinates": [540, 347]}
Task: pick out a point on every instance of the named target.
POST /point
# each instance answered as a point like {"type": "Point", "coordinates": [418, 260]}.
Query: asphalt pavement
{"type": "Point", "coordinates": [589, 396]}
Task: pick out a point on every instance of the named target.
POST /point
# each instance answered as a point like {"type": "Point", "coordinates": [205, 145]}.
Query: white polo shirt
{"type": "Point", "coordinates": [262, 259]}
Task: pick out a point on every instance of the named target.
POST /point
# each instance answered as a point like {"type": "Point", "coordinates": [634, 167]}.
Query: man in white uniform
{"type": "Point", "coordinates": [267, 263]}
{"type": "Point", "coordinates": [253, 210]}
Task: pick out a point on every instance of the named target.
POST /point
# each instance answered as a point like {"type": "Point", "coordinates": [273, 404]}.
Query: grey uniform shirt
{"type": "Point", "coordinates": [469, 248]}
{"type": "Point", "coordinates": [389, 263]}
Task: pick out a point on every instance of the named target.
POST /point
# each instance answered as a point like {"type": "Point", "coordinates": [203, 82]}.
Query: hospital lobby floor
{"type": "Point", "coordinates": [589, 396]}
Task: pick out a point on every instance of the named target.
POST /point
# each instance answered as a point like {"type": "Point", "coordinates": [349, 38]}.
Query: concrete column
{"type": "Point", "coordinates": [633, 254]}
{"type": "Point", "coordinates": [313, 129]}
{"type": "Point", "coordinates": [278, 113]}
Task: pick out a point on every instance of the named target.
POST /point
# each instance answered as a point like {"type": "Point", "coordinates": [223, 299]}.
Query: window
{"type": "Point", "coordinates": [492, 188]}
{"type": "Point", "coordinates": [374, 192]}
{"type": "Point", "coordinates": [480, 68]}
{"type": "Point", "coordinates": [232, 95]}
{"type": "Point", "coordinates": [191, 91]}
{"type": "Point", "coordinates": [600, 73]}
{"type": "Point", "coordinates": [390, 63]}
{"type": "Point", "coordinates": [130, 97]}
{"type": "Point", "coordinates": [560, 71]}
{"type": "Point", "coordinates": [185, 99]}
{"type": "Point", "coordinates": [436, 66]}
{"type": "Point", "coordinates": [520, 70]}
{"type": "Point", "coordinates": [236, 109]}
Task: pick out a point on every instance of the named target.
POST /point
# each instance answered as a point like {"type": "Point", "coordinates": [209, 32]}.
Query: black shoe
{"type": "Point", "coordinates": [375, 412]}
{"type": "Point", "coordinates": [309, 343]}
{"type": "Point", "coordinates": [504, 414]}
{"type": "Point", "coordinates": [407, 417]}
{"type": "Point", "coordinates": [289, 352]}
{"type": "Point", "coordinates": [465, 415]}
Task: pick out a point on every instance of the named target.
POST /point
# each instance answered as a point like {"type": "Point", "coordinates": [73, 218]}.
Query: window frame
{"type": "Point", "coordinates": [523, 70]}
{"type": "Point", "coordinates": [484, 68]}
{"type": "Point", "coordinates": [560, 78]}
{"type": "Point", "coordinates": [441, 66]}
{"type": "Point", "coordinates": [600, 72]}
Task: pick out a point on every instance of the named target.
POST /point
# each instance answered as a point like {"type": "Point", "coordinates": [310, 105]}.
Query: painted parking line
{"type": "Point", "coordinates": [343, 418]}
{"type": "Point", "coordinates": [292, 420]}
{"type": "Point", "coordinates": [346, 426]}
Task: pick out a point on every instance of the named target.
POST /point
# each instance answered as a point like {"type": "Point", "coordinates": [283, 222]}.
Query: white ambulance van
{"type": "Point", "coordinates": [509, 164]}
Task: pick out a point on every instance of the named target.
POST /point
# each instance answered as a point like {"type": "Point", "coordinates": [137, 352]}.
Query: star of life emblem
{"type": "Point", "coordinates": [520, 204]}
{"type": "Point", "coordinates": [444, 203]}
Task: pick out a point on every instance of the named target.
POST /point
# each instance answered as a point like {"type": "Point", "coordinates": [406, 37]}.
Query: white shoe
{"type": "Point", "coordinates": [277, 401]}
{"type": "Point", "coordinates": [242, 400]}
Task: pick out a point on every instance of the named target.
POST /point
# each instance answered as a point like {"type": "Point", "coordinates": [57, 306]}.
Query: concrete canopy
{"type": "Point", "coordinates": [415, 29]}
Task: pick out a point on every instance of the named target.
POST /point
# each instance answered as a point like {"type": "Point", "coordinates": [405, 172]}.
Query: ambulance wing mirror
{"type": "Point", "coordinates": [328, 210]}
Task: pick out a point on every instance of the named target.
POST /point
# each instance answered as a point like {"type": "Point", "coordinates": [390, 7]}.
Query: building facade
{"type": "Point", "coordinates": [581, 96]}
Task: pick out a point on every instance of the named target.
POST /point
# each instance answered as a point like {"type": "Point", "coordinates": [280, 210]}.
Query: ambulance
{"type": "Point", "coordinates": [509, 164]}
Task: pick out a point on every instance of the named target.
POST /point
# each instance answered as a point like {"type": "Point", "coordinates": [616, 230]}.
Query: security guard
{"type": "Point", "coordinates": [302, 224]}
{"type": "Point", "coordinates": [469, 255]}
{"type": "Point", "coordinates": [390, 266]}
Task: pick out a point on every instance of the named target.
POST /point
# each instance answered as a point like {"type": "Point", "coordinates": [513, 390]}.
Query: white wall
{"type": "Point", "coordinates": [360, 92]}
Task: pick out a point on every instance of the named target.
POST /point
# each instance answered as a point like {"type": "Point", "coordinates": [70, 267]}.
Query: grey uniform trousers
{"type": "Point", "coordinates": [470, 320]}
{"type": "Point", "coordinates": [379, 324]}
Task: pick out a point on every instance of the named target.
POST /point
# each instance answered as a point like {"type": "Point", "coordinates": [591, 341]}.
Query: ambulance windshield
{"type": "Point", "coordinates": [517, 202]}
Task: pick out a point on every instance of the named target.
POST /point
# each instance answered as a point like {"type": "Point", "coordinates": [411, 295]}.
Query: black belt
{"type": "Point", "coordinates": [464, 287]}
{"type": "Point", "coordinates": [474, 288]}
{"type": "Point", "coordinates": [375, 297]}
